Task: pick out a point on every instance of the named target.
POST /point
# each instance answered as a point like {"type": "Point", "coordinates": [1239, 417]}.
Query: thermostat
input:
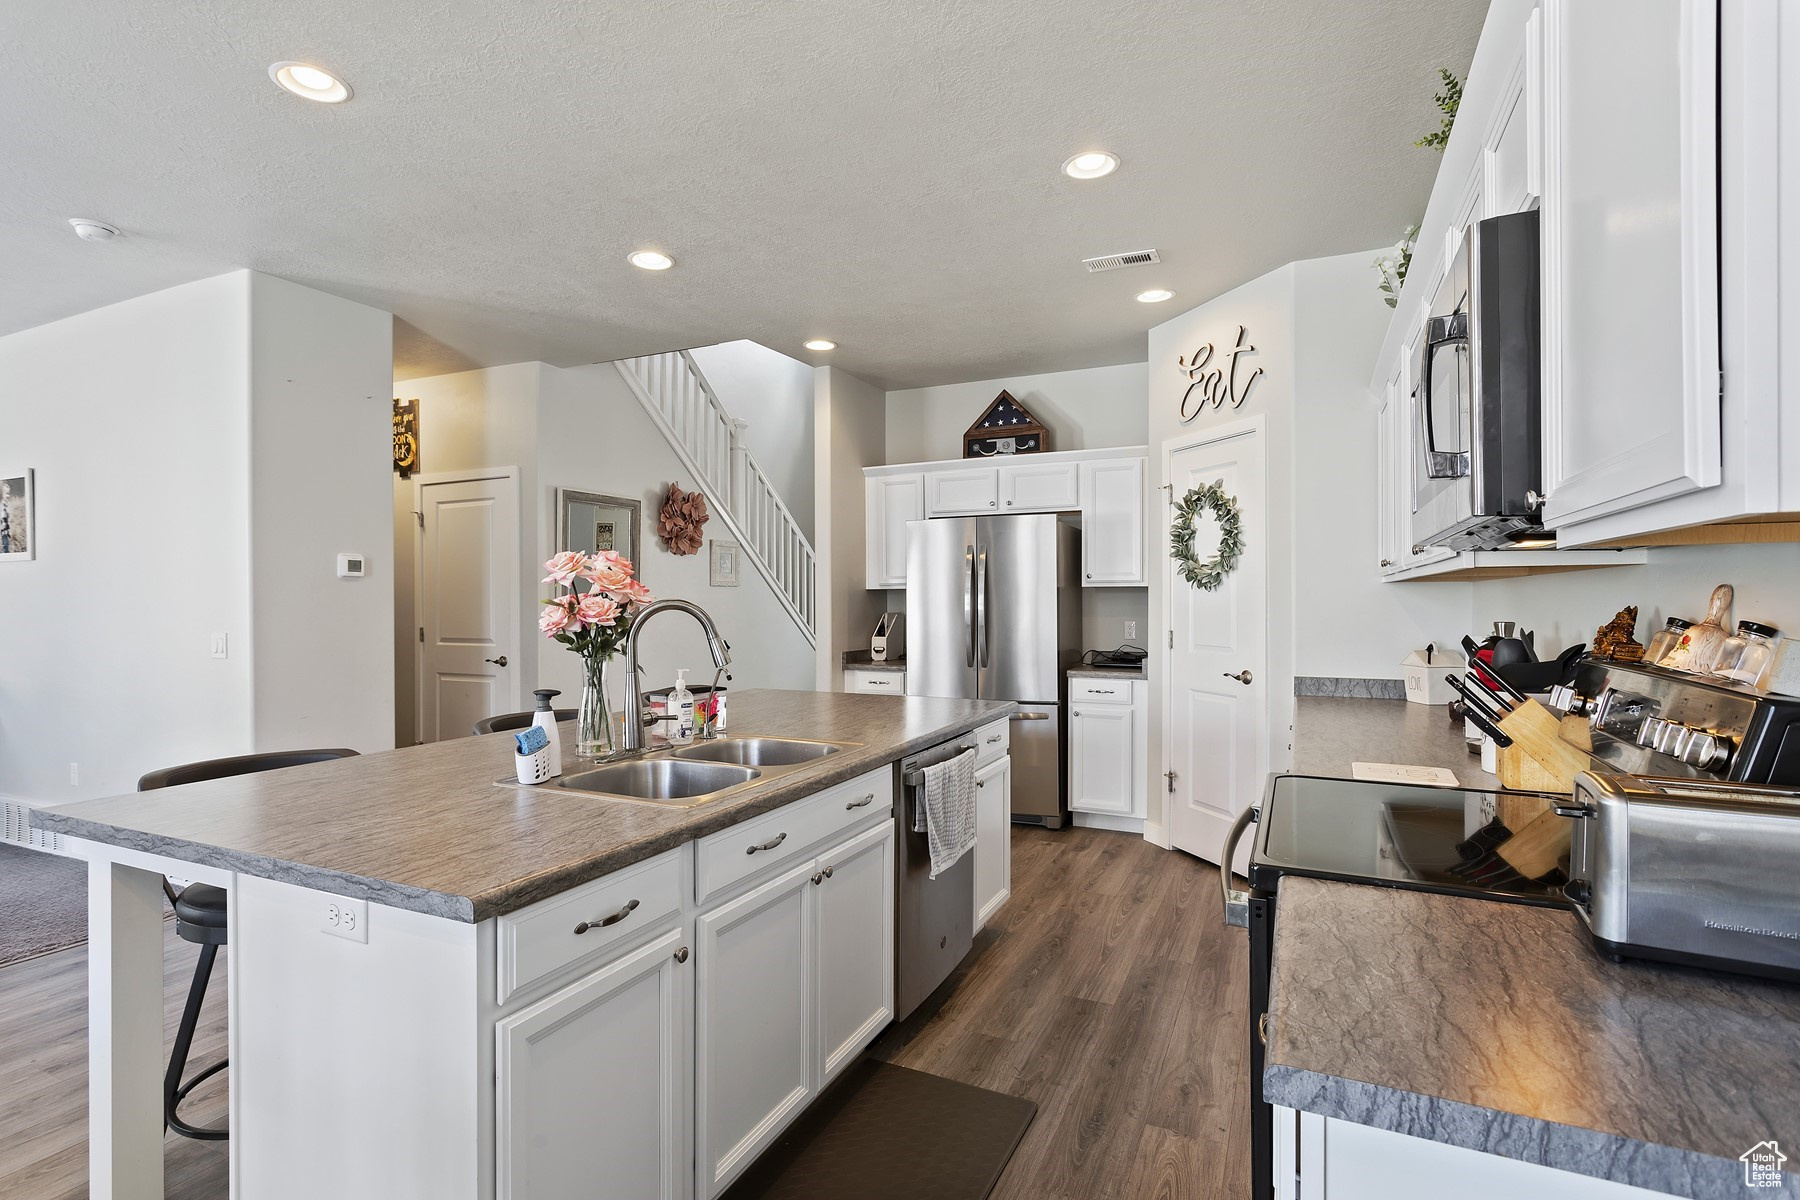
{"type": "Point", "coordinates": [350, 566]}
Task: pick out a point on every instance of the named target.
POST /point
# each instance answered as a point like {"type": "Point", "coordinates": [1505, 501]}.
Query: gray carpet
{"type": "Point", "coordinates": [45, 899]}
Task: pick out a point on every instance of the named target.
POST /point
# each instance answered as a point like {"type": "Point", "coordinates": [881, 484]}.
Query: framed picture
{"type": "Point", "coordinates": [591, 523]}
{"type": "Point", "coordinates": [722, 569]}
{"type": "Point", "coordinates": [18, 508]}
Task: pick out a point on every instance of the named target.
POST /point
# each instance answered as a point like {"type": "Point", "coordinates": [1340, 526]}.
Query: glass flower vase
{"type": "Point", "coordinates": [593, 722]}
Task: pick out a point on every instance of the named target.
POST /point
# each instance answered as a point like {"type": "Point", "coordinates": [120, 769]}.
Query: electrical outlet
{"type": "Point", "coordinates": [1130, 630]}
{"type": "Point", "coordinates": [348, 919]}
{"type": "Point", "coordinates": [74, 774]}
{"type": "Point", "coordinates": [221, 646]}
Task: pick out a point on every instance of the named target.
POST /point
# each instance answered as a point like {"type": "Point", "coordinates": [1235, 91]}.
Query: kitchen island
{"type": "Point", "coordinates": [446, 986]}
{"type": "Point", "coordinates": [1411, 1029]}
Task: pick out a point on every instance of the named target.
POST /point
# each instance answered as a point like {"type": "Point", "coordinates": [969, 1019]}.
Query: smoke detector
{"type": "Point", "coordinates": [92, 231]}
{"type": "Point", "coordinates": [1112, 262]}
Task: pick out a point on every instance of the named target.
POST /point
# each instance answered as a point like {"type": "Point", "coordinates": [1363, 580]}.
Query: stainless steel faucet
{"type": "Point", "coordinates": [634, 692]}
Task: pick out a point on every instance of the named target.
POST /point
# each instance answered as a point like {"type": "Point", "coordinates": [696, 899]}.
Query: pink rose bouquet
{"type": "Point", "coordinates": [600, 599]}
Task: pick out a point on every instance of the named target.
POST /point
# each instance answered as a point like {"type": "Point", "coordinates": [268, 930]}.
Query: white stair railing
{"type": "Point", "coordinates": [710, 443]}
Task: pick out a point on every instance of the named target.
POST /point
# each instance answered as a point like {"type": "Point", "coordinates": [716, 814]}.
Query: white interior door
{"type": "Point", "coordinates": [1216, 738]}
{"type": "Point", "coordinates": [468, 601]}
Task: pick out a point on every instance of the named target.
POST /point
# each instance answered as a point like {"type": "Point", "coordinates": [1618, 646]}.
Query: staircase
{"type": "Point", "coordinates": [710, 444]}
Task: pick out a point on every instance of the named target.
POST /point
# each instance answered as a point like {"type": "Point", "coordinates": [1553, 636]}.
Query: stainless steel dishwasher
{"type": "Point", "coordinates": [936, 916]}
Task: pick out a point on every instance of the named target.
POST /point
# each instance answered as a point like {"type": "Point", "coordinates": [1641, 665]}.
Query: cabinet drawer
{"type": "Point", "coordinates": [537, 942]}
{"type": "Point", "coordinates": [992, 742]}
{"type": "Point", "coordinates": [890, 683]}
{"type": "Point", "coordinates": [1100, 691]}
{"type": "Point", "coordinates": [761, 844]}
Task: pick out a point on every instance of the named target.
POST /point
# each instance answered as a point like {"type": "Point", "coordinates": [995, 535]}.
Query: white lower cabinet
{"type": "Point", "coordinates": [882, 681]}
{"type": "Point", "coordinates": [1322, 1158]}
{"type": "Point", "coordinates": [793, 979]}
{"type": "Point", "coordinates": [595, 1081]}
{"type": "Point", "coordinates": [1107, 735]}
{"type": "Point", "coordinates": [993, 838]}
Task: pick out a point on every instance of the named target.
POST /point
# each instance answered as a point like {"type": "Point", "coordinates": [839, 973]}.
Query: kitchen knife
{"type": "Point", "coordinates": [1482, 718]}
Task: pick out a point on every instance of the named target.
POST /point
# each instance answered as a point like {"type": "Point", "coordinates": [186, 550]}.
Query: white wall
{"type": "Point", "coordinates": [850, 429]}
{"type": "Point", "coordinates": [1101, 406]}
{"type": "Point", "coordinates": [468, 420]}
{"type": "Point", "coordinates": [320, 436]}
{"type": "Point", "coordinates": [773, 394]}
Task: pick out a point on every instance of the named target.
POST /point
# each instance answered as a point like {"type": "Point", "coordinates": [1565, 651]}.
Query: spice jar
{"type": "Point", "coordinates": [1664, 640]}
{"type": "Point", "coordinates": [1697, 649]}
{"type": "Point", "coordinates": [1749, 653]}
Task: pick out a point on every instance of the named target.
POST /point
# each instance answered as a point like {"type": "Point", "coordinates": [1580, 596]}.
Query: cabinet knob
{"type": "Point", "coordinates": [818, 878]}
{"type": "Point", "coordinates": [991, 503]}
{"type": "Point", "coordinates": [1534, 501]}
{"type": "Point", "coordinates": [1387, 562]}
{"type": "Point", "coordinates": [681, 955]}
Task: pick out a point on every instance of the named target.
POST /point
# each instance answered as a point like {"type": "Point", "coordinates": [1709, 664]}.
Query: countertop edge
{"type": "Point", "coordinates": [527, 890]}
{"type": "Point", "coordinates": [1529, 1139]}
{"type": "Point", "coordinates": [1106, 673]}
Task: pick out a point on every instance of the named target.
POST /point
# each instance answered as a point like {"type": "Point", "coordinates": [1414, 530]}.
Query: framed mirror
{"type": "Point", "coordinates": [591, 523]}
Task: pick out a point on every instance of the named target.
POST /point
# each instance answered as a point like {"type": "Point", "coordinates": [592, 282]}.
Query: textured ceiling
{"type": "Point", "coordinates": [884, 174]}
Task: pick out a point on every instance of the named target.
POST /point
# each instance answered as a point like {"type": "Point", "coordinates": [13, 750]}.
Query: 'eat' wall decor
{"type": "Point", "coordinates": [406, 437]}
{"type": "Point", "coordinates": [1214, 385]}
{"type": "Point", "coordinates": [1007, 427]}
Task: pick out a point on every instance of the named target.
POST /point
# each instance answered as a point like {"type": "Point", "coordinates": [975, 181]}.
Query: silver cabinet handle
{"type": "Point", "coordinates": [1101, 691]}
{"type": "Point", "coordinates": [768, 845]}
{"type": "Point", "coordinates": [681, 955]}
{"type": "Point", "coordinates": [1534, 500]}
{"type": "Point", "coordinates": [828, 871]}
{"type": "Point", "coordinates": [863, 803]}
{"type": "Point", "coordinates": [603, 922]}
{"type": "Point", "coordinates": [818, 878]}
{"type": "Point", "coordinates": [993, 739]}
{"type": "Point", "coordinates": [1387, 562]}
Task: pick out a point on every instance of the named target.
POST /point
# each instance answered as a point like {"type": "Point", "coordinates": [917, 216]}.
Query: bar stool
{"type": "Point", "coordinates": [503, 722]}
{"type": "Point", "coordinates": [200, 918]}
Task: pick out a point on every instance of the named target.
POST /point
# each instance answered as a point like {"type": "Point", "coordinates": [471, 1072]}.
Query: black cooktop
{"type": "Point", "coordinates": [1390, 834]}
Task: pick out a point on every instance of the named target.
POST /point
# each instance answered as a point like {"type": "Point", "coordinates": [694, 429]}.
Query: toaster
{"type": "Point", "coordinates": [1685, 871]}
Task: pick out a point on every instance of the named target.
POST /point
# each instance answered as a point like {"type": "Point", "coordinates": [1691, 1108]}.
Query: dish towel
{"type": "Point", "coordinates": [946, 810]}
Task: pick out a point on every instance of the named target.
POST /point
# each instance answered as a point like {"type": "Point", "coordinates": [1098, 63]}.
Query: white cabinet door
{"type": "Point", "coordinates": [962, 493]}
{"type": "Point", "coordinates": [876, 683]}
{"type": "Point", "coordinates": [1630, 254]}
{"type": "Point", "coordinates": [1389, 512]}
{"type": "Point", "coordinates": [1028, 486]}
{"type": "Point", "coordinates": [893, 500]}
{"type": "Point", "coordinates": [1113, 518]}
{"type": "Point", "coordinates": [855, 892]}
{"type": "Point", "coordinates": [755, 1025]}
{"type": "Point", "coordinates": [993, 838]}
{"type": "Point", "coordinates": [1512, 151]}
{"type": "Point", "coordinates": [1100, 759]}
{"type": "Point", "coordinates": [594, 1082]}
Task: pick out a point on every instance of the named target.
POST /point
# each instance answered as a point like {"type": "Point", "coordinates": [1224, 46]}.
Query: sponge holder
{"type": "Point", "coordinates": [535, 767]}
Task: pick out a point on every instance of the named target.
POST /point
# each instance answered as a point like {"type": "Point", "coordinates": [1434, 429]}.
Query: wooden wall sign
{"type": "Point", "coordinates": [406, 437]}
{"type": "Point", "coordinates": [1213, 385]}
{"type": "Point", "coordinates": [1005, 428]}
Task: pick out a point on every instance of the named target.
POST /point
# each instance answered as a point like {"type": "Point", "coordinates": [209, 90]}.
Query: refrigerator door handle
{"type": "Point", "coordinates": [981, 608]}
{"type": "Point", "coordinates": [968, 606]}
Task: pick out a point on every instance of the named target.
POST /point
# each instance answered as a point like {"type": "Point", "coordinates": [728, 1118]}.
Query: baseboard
{"type": "Point", "coordinates": [1107, 821]}
{"type": "Point", "coordinates": [15, 826]}
{"type": "Point", "coordinates": [1156, 835]}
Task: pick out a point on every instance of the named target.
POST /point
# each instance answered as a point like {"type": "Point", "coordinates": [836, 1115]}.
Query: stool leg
{"type": "Point", "coordinates": [173, 1091]}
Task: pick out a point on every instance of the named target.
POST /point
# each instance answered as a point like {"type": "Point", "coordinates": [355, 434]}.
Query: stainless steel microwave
{"type": "Point", "coordinates": [1476, 389]}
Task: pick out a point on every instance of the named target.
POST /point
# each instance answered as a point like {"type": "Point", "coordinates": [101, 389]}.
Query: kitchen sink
{"type": "Point", "coordinates": [661, 779]}
{"type": "Point", "coordinates": [758, 751]}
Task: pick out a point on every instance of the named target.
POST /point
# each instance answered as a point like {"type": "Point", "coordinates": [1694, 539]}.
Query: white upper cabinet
{"type": "Point", "coordinates": [1113, 518]}
{"type": "Point", "coordinates": [1030, 486]}
{"type": "Point", "coordinates": [961, 493]}
{"type": "Point", "coordinates": [893, 500]}
{"type": "Point", "coordinates": [1630, 254]}
{"type": "Point", "coordinates": [1512, 153]}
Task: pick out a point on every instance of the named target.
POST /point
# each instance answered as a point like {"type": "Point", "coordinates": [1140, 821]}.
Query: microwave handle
{"type": "Point", "coordinates": [1452, 330]}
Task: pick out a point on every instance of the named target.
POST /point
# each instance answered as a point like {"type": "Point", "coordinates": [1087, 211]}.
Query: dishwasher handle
{"type": "Point", "coordinates": [1237, 902]}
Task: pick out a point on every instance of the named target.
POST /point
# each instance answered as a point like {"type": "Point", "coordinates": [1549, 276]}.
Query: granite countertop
{"type": "Point", "coordinates": [859, 660]}
{"type": "Point", "coordinates": [426, 827]}
{"type": "Point", "coordinates": [1331, 732]}
{"type": "Point", "coordinates": [1496, 1027]}
{"type": "Point", "coordinates": [1087, 672]}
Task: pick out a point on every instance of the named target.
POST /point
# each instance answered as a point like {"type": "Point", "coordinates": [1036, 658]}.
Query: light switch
{"type": "Point", "coordinates": [221, 646]}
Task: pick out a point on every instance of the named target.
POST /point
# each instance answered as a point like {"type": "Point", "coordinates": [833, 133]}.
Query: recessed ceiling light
{"type": "Point", "coordinates": [1155, 296]}
{"type": "Point", "coordinates": [1091, 164]}
{"type": "Point", "coordinates": [821, 344]}
{"type": "Point", "coordinates": [92, 231]}
{"type": "Point", "coordinates": [650, 260]}
{"type": "Point", "coordinates": [310, 82]}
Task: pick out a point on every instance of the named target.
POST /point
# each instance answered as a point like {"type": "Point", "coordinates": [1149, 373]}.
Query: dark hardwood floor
{"type": "Point", "coordinates": [1106, 990]}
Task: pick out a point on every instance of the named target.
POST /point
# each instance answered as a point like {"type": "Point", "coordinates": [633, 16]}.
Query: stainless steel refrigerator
{"type": "Point", "coordinates": [993, 612]}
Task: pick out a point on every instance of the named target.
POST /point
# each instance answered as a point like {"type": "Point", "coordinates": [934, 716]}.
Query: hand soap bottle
{"type": "Point", "coordinates": [544, 717]}
{"type": "Point", "coordinates": [681, 710]}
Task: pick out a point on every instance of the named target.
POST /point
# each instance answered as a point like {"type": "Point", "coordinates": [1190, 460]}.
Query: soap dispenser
{"type": "Point", "coordinates": [544, 717]}
{"type": "Point", "coordinates": [681, 709]}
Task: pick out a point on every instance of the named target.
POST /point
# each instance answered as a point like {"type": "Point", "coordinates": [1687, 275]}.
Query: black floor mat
{"type": "Point", "coordinates": [883, 1132]}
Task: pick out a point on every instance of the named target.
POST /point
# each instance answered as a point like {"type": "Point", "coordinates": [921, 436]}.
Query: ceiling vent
{"type": "Point", "coordinates": [1112, 262]}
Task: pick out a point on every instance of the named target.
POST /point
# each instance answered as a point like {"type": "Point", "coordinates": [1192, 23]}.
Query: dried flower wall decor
{"type": "Point", "coordinates": [680, 521]}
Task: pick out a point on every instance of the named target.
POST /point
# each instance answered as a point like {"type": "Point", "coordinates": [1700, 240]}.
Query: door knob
{"type": "Point", "coordinates": [498, 662]}
{"type": "Point", "coordinates": [1242, 677]}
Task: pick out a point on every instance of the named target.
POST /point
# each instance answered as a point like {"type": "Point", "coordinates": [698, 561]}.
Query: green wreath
{"type": "Point", "coordinates": [1208, 575]}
